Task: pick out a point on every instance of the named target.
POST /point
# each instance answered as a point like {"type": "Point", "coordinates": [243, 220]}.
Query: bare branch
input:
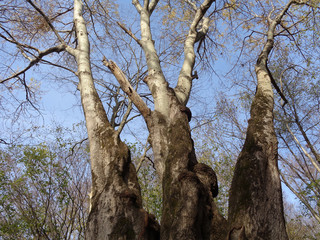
{"type": "Point", "coordinates": [155, 80]}
{"type": "Point", "coordinates": [192, 4]}
{"type": "Point", "coordinates": [153, 5]}
{"type": "Point", "coordinates": [58, 65]}
{"type": "Point", "coordinates": [3, 142]}
{"type": "Point", "coordinates": [146, 4]}
{"type": "Point", "coordinates": [271, 31]}
{"type": "Point", "coordinates": [74, 146]}
{"type": "Point", "coordinates": [142, 158]}
{"type": "Point", "coordinates": [301, 198]}
{"type": "Point", "coordinates": [314, 163]}
{"type": "Point", "coordinates": [184, 84]}
{"type": "Point", "coordinates": [127, 88]}
{"type": "Point", "coordinates": [262, 62]}
{"type": "Point", "coordinates": [304, 134]}
{"type": "Point", "coordinates": [12, 40]}
{"type": "Point", "coordinates": [57, 49]}
{"type": "Point", "coordinates": [125, 118]}
{"type": "Point", "coordinates": [129, 33]}
{"type": "Point", "coordinates": [47, 20]}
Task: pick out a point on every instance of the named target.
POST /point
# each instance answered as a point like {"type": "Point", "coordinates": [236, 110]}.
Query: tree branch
{"type": "Point", "coordinates": [301, 198]}
{"type": "Point", "coordinates": [314, 163]}
{"type": "Point", "coordinates": [304, 134]}
{"type": "Point", "coordinates": [275, 85]}
{"type": "Point", "coordinates": [184, 84]}
{"type": "Point", "coordinates": [129, 33]}
{"type": "Point", "coordinates": [153, 5]}
{"type": "Point", "coordinates": [47, 20]}
{"type": "Point", "coordinates": [127, 88]}
{"type": "Point", "coordinates": [137, 5]}
{"type": "Point", "coordinates": [125, 118]}
{"type": "Point", "coordinates": [155, 80]}
{"type": "Point", "coordinates": [142, 158]}
{"type": "Point", "coordinates": [276, 21]}
{"type": "Point", "coordinates": [3, 142]}
{"type": "Point", "coordinates": [34, 61]}
{"type": "Point", "coordinates": [12, 40]}
{"type": "Point", "coordinates": [262, 62]}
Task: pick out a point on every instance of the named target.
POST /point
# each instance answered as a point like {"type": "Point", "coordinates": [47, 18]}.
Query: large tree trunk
{"type": "Point", "coordinates": [189, 211]}
{"type": "Point", "coordinates": [116, 206]}
{"type": "Point", "coordinates": [255, 197]}
{"type": "Point", "coordinates": [189, 187]}
{"type": "Point", "coordinates": [255, 203]}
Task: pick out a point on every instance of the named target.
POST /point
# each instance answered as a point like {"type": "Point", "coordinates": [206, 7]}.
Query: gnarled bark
{"type": "Point", "coordinates": [255, 203]}
{"type": "Point", "coordinates": [189, 211]}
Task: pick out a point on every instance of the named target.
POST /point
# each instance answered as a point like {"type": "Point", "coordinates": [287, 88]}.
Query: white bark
{"type": "Point", "coordinates": [184, 84]}
{"type": "Point", "coordinates": [93, 109]}
{"type": "Point", "coordinates": [155, 79]}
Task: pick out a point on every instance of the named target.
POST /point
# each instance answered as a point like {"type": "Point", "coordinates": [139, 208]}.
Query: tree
{"type": "Point", "coordinates": [44, 190]}
{"type": "Point", "coordinates": [189, 210]}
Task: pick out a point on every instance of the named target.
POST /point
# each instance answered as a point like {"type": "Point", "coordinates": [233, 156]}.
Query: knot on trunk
{"type": "Point", "coordinates": [237, 233]}
{"type": "Point", "coordinates": [207, 177]}
{"type": "Point", "coordinates": [187, 111]}
{"type": "Point", "coordinates": [129, 197]}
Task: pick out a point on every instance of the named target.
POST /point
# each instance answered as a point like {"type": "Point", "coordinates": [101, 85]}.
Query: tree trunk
{"type": "Point", "coordinates": [255, 203]}
{"type": "Point", "coordinates": [255, 197]}
{"type": "Point", "coordinates": [189, 211]}
{"type": "Point", "coordinates": [116, 206]}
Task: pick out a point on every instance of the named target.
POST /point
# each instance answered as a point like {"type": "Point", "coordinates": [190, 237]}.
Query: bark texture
{"type": "Point", "coordinates": [255, 197]}
{"type": "Point", "coordinates": [189, 187]}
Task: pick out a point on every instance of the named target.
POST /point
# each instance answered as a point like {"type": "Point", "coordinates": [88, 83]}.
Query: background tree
{"type": "Point", "coordinates": [44, 190]}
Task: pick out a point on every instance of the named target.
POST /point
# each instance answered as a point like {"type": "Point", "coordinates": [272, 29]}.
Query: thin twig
{"type": "Point", "coordinates": [129, 33]}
